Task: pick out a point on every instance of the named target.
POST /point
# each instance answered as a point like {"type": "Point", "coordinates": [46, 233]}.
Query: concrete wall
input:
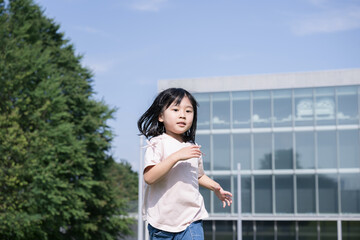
{"type": "Point", "coordinates": [266, 81]}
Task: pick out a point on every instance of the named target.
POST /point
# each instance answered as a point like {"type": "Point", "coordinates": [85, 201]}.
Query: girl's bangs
{"type": "Point", "coordinates": [175, 99]}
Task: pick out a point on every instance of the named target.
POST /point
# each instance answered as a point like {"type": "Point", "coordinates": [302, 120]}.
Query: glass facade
{"type": "Point", "coordinates": [281, 230]}
{"type": "Point", "coordinates": [299, 151]}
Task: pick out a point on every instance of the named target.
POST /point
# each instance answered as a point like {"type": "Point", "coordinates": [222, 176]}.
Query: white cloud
{"type": "Point", "coordinates": [98, 66]}
{"type": "Point", "coordinates": [91, 30]}
{"type": "Point", "coordinates": [148, 5]}
{"type": "Point", "coordinates": [327, 17]}
{"type": "Point", "coordinates": [334, 21]}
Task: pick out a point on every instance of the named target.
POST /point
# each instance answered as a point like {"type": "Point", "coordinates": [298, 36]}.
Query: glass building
{"type": "Point", "coordinates": [297, 138]}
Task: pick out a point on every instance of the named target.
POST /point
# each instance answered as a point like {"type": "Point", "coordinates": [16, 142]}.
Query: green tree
{"type": "Point", "coordinates": [54, 140]}
{"type": "Point", "coordinates": [125, 183]}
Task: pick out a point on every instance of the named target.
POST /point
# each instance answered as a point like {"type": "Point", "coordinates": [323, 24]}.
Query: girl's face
{"type": "Point", "coordinates": [178, 119]}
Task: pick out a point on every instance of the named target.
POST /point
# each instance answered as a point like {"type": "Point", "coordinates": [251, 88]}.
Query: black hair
{"type": "Point", "coordinates": [149, 124]}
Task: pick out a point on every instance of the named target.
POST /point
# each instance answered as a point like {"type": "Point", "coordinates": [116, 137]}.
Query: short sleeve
{"type": "Point", "coordinates": [153, 153]}
{"type": "Point", "coordinates": [200, 167]}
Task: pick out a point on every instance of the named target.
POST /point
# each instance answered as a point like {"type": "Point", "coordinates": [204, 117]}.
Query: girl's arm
{"type": "Point", "coordinates": [224, 196]}
{"type": "Point", "coordinates": [153, 174]}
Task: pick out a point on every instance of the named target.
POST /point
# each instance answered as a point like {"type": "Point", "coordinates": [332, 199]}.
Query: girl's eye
{"type": "Point", "coordinates": [175, 110]}
{"type": "Point", "coordinates": [189, 111]}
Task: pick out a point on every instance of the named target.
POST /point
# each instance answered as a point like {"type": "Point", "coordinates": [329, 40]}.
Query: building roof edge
{"type": "Point", "coordinates": [339, 77]}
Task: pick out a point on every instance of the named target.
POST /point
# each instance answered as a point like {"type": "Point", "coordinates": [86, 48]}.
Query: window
{"type": "Point", "coordinates": [203, 115]}
{"type": "Point", "coordinates": [247, 230]}
{"type": "Point", "coordinates": [305, 150]}
{"type": "Point", "coordinates": [221, 148]}
{"type": "Point", "coordinates": [327, 154]}
{"type": "Point", "coordinates": [304, 107]}
{"type": "Point", "coordinates": [284, 193]}
{"type": "Point", "coordinates": [286, 230]}
{"type": "Point", "coordinates": [347, 101]}
{"type": "Point", "coordinates": [328, 193]}
{"type": "Point", "coordinates": [328, 230]}
{"type": "Point", "coordinates": [349, 148]}
{"type": "Point", "coordinates": [308, 230]}
{"type": "Point", "coordinates": [242, 150]}
{"type": "Point", "coordinates": [350, 192]}
{"type": "Point", "coordinates": [224, 182]}
{"type": "Point", "coordinates": [350, 230]}
{"type": "Point", "coordinates": [283, 150]}
{"type": "Point", "coordinates": [245, 194]}
{"type": "Point", "coordinates": [224, 230]}
{"type": "Point", "coordinates": [325, 106]}
{"type": "Point", "coordinates": [305, 187]}
{"type": "Point", "coordinates": [241, 109]}
{"type": "Point", "coordinates": [206, 196]}
{"type": "Point", "coordinates": [262, 151]}
{"type": "Point", "coordinates": [220, 110]}
{"type": "Point", "coordinates": [265, 230]}
{"type": "Point", "coordinates": [263, 194]}
{"type": "Point", "coordinates": [261, 109]}
{"type": "Point", "coordinates": [208, 229]}
{"type": "Point", "coordinates": [282, 108]}
{"type": "Point", "coordinates": [204, 141]}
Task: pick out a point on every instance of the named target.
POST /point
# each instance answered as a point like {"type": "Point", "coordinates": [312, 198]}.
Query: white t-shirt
{"type": "Point", "coordinates": [174, 202]}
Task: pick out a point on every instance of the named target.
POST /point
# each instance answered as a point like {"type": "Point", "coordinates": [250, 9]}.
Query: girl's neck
{"type": "Point", "coordinates": [177, 137]}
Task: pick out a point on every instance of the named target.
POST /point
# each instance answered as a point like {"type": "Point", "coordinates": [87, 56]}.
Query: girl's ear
{"type": "Point", "coordinates": [160, 118]}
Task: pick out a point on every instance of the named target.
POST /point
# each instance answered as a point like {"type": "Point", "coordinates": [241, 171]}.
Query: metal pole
{"type": "Point", "coordinates": [239, 222]}
{"type": "Point", "coordinates": [140, 193]}
{"type": "Point", "coordinates": [339, 230]}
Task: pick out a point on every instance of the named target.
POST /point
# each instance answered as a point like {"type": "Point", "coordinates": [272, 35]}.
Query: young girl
{"type": "Point", "coordinates": [173, 171]}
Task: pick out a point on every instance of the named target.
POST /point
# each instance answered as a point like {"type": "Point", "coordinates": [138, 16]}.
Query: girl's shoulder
{"type": "Point", "coordinates": [154, 141]}
{"type": "Point", "coordinates": [158, 138]}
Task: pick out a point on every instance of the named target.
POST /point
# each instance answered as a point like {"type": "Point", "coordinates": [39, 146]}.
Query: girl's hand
{"type": "Point", "coordinates": [185, 153]}
{"type": "Point", "coordinates": [224, 196]}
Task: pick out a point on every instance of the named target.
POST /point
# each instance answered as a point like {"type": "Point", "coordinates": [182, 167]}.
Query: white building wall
{"type": "Point", "coordinates": [266, 81]}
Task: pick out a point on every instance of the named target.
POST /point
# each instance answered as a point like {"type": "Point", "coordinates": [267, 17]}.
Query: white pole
{"type": "Point", "coordinates": [140, 193]}
{"type": "Point", "coordinates": [239, 222]}
{"type": "Point", "coordinates": [339, 230]}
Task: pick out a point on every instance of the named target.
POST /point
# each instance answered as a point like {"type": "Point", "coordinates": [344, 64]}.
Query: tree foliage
{"type": "Point", "coordinates": [125, 183]}
{"type": "Point", "coordinates": [54, 140]}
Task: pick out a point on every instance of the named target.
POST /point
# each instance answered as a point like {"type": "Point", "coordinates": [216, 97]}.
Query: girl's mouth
{"type": "Point", "coordinates": [182, 124]}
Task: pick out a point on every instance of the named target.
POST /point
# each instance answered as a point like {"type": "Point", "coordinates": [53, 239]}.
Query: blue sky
{"type": "Point", "coordinates": [131, 44]}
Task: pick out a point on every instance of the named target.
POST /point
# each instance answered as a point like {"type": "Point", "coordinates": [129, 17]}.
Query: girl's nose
{"type": "Point", "coordinates": [182, 114]}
